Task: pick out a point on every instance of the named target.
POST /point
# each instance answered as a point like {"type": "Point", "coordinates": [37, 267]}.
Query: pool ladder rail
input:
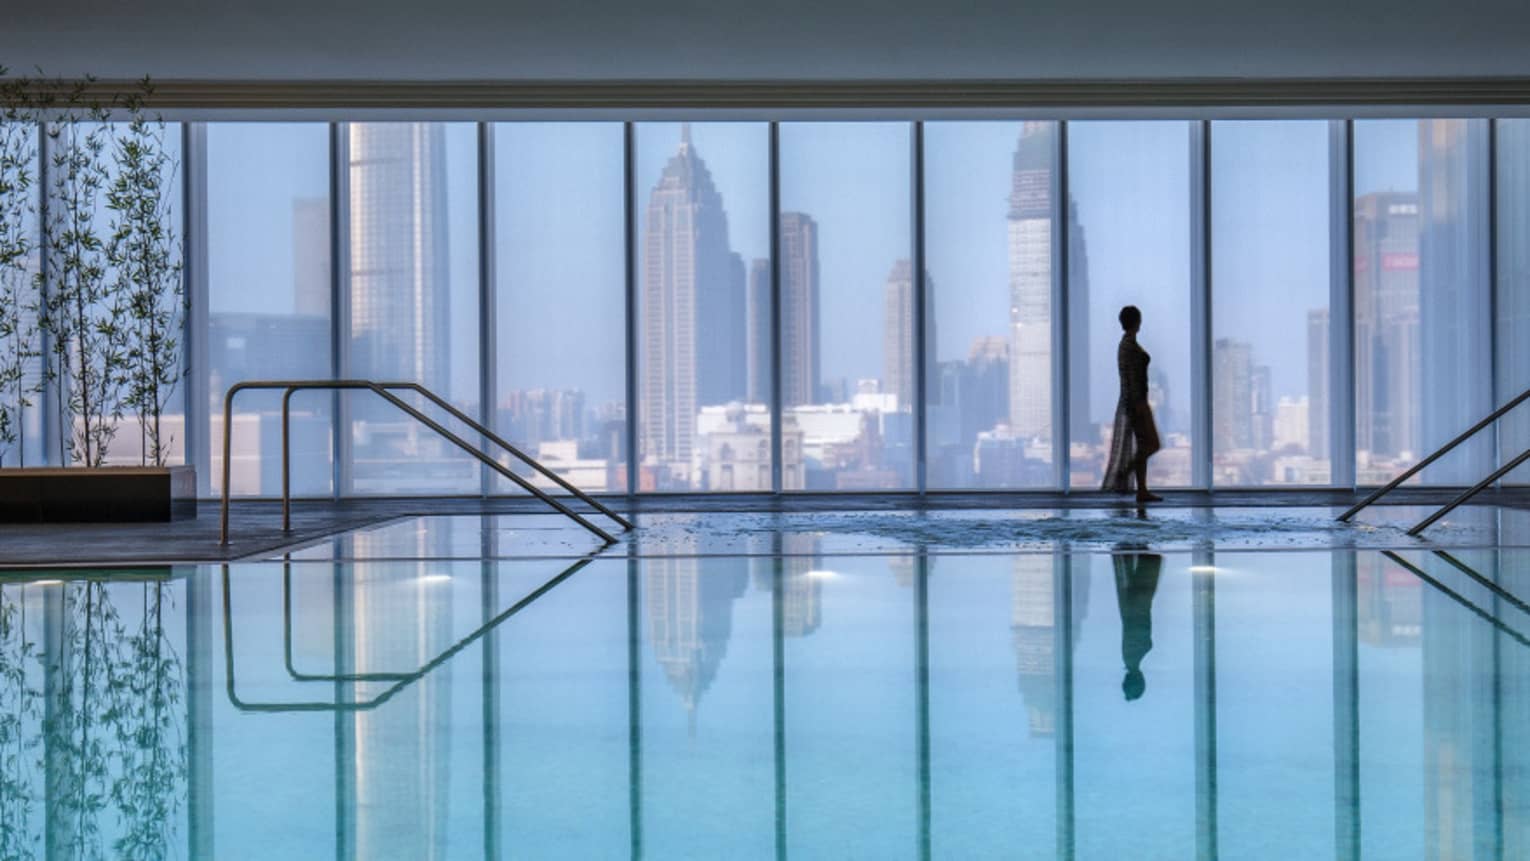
{"type": "Point", "coordinates": [385, 390]}
{"type": "Point", "coordinates": [1440, 452]}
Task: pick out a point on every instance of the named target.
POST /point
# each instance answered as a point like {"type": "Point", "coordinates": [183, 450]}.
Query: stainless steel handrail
{"type": "Point", "coordinates": [291, 386]}
{"type": "Point", "coordinates": [1494, 416]}
{"type": "Point", "coordinates": [1469, 493]}
{"type": "Point", "coordinates": [515, 452]}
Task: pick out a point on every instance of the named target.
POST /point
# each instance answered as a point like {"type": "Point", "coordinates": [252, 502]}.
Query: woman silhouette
{"type": "Point", "coordinates": [1135, 437]}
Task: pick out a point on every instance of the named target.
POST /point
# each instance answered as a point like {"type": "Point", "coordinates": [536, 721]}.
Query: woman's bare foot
{"type": "Point", "coordinates": [1145, 496]}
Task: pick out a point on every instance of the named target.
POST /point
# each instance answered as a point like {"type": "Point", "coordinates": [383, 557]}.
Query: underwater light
{"type": "Point", "coordinates": [1203, 569]}
{"type": "Point", "coordinates": [822, 575]}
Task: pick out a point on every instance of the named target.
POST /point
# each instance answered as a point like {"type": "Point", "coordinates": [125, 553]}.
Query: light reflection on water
{"type": "Point", "coordinates": [1094, 705]}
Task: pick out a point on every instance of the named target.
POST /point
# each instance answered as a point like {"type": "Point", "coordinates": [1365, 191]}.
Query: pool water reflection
{"type": "Point", "coordinates": [1093, 705]}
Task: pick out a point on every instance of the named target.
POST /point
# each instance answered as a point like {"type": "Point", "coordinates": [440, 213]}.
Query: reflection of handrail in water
{"type": "Point", "coordinates": [404, 682]}
{"type": "Point", "coordinates": [287, 645]}
{"type": "Point", "coordinates": [1485, 582]}
{"type": "Point", "coordinates": [1457, 597]}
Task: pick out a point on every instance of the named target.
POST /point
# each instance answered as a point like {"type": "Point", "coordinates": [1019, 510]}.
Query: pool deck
{"type": "Point", "coordinates": [255, 526]}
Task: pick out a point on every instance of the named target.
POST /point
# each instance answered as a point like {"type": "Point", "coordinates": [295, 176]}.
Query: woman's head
{"type": "Point", "coordinates": [1131, 318]}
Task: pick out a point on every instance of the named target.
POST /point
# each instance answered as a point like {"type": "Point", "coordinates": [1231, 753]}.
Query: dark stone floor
{"type": "Point", "coordinates": [255, 527]}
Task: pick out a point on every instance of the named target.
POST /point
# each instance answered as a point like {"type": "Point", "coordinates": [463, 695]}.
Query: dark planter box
{"type": "Point", "coordinates": [110, 494]}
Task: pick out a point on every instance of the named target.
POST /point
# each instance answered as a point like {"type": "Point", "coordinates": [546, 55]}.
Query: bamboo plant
{"type": "Point", "coordinates": [145, 256]}
{"type": "Point", "coordinates": [19, 347]}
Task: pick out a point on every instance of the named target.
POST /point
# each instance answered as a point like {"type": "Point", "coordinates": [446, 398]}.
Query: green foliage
{"type": "Point", "coordinates": [20, 709]}
{"type": "Point", "coordinates": [108, 298]}
{"type": "Point", "coordinates": [145, 256]}
{"type": "Point", "coordinates": [19, 301]}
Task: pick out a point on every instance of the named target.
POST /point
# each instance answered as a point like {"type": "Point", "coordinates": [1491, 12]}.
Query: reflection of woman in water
{"type": "Point", "coordinates": [1135, 437]}
{"type": "Point", "coordinates": [1136, 582]}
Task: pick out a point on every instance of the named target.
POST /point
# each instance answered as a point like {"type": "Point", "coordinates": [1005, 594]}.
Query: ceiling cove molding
{"type": "Point", "coordinates": [809, 95]}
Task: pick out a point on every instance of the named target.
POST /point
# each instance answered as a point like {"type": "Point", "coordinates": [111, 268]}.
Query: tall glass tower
{"type": "Point", "coordinates": [693, 314]}
{"type": "Point", "coordinates": [399, 275]}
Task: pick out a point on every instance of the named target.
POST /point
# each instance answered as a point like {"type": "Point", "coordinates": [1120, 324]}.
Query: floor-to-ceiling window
{"type": "Point", "coordinates": [560, 300]}
{"type": "Point", "coordinates": [1421, 305]}
{"type": "Point", "coordinates": [704, 355]}
{"type": "Point", "coordinates": [411, 299]}
{"type": "Point", "coordinates": [1033, 234]}
{"type": "Point", "coordinates": [1512, 361]}
{"type": "Point", "coordinates": [848, 294]}
{"type": "Point", "coordinates": [994, 223]}
{"type": "Point", "coordinates": [1130, 182]}
{"type": "Point", "coordinates": [1270, 309]}
{"type": "Point", "coordinates": [269, 299]}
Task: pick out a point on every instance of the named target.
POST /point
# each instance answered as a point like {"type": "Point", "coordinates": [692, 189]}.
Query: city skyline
{"type": "Point", "coordinates": [752, 273]}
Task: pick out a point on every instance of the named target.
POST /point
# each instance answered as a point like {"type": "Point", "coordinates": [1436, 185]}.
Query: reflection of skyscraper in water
{"type": "Point", "coordinates": [693, 310]}
{"type": "Point", "coordinates": [690, 618]}
{"type": "Point", "coordinates": [401, 618]}
{"type": "Point", "coordinates": [1388, 603]}
{"type": "Point", "coordinates": [898, 334]}
{"type": "Point", "coordinates": [800, 374]}
{"type": "Point", "coordinates": [399, 287]}
{"type": "Point", "coordinates": [1032, 209]}
{"type": "Point", "coordinates": [1033, 623]}
{"type": "Point", "coordinates": [801, 592]}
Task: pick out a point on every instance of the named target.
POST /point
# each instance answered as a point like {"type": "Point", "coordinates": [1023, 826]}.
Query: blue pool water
{"type": "Point", "coordinates": [421, 690]}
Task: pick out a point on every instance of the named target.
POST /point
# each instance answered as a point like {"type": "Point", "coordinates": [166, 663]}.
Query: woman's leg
{"type": "Point", "coordinates": [1139, 467]}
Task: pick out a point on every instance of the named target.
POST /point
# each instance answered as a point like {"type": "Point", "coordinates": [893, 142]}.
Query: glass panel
{"type": "Point", "coordinates": [1270, 276]}
{"type": "Point", "coordinates": [21, 345]}
{"type": "Point", "coordinates": [990, 422]}
{"type": "Point", "coordinates": [1131, 184]}
{"type": "Point", "coordinates": [96, 237]}
{"type": "Point", "coordinates": [268, 315]}
{"type": "Point", "coordinates": [704, 358]}
{"type": "Point", "coordinates": [413, 299]}
{"type": "Point", "coordinates": [1513, 255]}
{"type": "Point", "coordinates": [847, 293]}
{"type": "Point", "coordinates": [561, 299]}
{"type": "Point", "coordinates": [1421, 297]}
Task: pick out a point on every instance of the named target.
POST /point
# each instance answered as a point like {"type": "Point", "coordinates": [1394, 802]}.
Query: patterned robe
{"type": "Point", "coordinates": [1134, 433]}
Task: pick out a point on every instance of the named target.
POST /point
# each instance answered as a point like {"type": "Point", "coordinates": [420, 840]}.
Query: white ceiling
{"type": "Point", "coordinates": [728, 39]}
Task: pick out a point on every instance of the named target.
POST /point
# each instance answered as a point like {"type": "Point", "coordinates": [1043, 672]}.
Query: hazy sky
{"type": "Point", "coordinates": [559, 228]}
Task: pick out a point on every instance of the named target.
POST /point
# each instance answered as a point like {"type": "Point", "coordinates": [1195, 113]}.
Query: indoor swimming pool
{"type": "Point", "coordinates": [467, 687]}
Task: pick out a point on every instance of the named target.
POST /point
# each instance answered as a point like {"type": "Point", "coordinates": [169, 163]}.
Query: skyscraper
{"type": "Point", "coordinates": [1232, 401]}
{"type": "Point", "coordinates": [1455, 316]}
{"type": "Point", "coordinates": [1032, 209]}
{"type": "Point", "coordinates": [693, 314]}
{"type": "Point", "coordinates": [898, 335]}
{"type": "Point", "coordinates": [757, 347]}
{"type": "Point", "coordinates": [310, 256]}
{"type": "Point", "coordinates": [399, 276]}
{"type": "Point", "coordinates": [1386, 323]}
{"type": "Point", "coordinates": [800, 374]}
{"type": "Point", "coordinates": [1317, 383]}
